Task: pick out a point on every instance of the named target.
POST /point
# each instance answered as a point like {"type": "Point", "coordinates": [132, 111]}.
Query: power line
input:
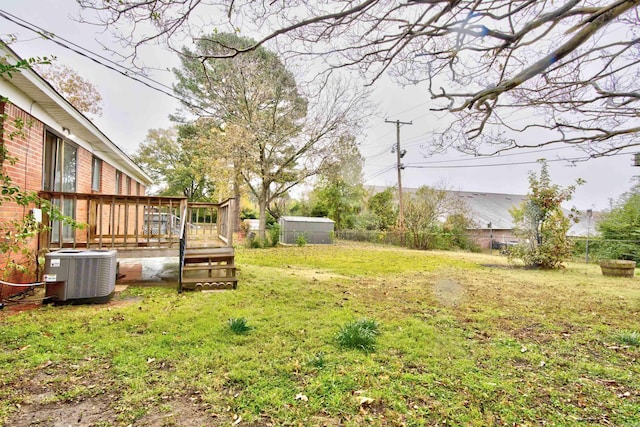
{"type": "Point", "coordinates": [92, 56]}
{"type": "Point", "coordinates": [489, 165]}
{"type": "Point", "coordinates": [380, 172]}
{"type": "Point", "coordinates": [423, 104]}
{"type": "Point", "coordinates": [414, 166]}
{"type": "Point", "coordinates": [385, 151]}
{"type": "Point", "coordinates": [48, 35]}
{"type": "Point", "coordinates": [472, 159]}
{"type": "Point", "coordinates": [571, 160]}
{"type": "Point", "coordinates": [418, 139]}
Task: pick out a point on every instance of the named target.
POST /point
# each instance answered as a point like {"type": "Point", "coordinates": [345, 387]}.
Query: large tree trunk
{"type": "Point", "coordinates": [262, 207]}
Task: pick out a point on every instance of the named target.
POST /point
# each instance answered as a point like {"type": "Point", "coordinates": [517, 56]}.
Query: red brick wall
{"type": "Point", "coordinates": [483, 237]}
{"type": "Point", "coordinates": [22, 136]}
{"type": "Point", "coordinates": [26, 144]}
{"type": "Point", "coordinates": [108, 179]}
{"type": "Point", "coordinates": [132, 186]}
{"type": "Point", "coordinates": [85, 173]}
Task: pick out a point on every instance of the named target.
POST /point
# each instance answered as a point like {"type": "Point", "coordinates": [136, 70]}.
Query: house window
{"type": "Point", "coordinates": [96, 173]}
{"type": "Point", "coordinates": [118, 182]}
{"type": "Point", "coordinates": [138, 188]}
{"type": "Point", "coordinates": [127, 188]}
{"type": "Point", "coordinates": [60, 164]}
{"type": "Point", "coordinates": [60, 174]}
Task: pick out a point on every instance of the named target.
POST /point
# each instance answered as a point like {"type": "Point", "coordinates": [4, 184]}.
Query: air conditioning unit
{"type": "Point", "coordinates": [80, 276]}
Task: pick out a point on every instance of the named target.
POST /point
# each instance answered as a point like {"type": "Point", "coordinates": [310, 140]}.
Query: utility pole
{"type": "Point", "coordinates": [400, 154]}
{"type": "Point", "coordinates": [589, 215]}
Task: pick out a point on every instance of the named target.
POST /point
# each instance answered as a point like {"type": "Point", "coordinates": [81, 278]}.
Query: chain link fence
{"type": "Point", "coordinates": [587, 248]}
{"type": "Point", "coordinates": [427, 240]}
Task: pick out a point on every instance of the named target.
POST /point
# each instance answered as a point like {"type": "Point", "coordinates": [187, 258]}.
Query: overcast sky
{"type": "Point", "coordinates": [130, 109]}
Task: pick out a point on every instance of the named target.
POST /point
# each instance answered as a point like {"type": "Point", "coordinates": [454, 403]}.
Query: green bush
{"type": "Point", "coordinates": [597, 249]}
{"type": "Point", "coordinates": [631, 338]}
{"type": "Point", "coordinates": [272, 238]}
{"type": "Point", "coordinates": [360, 334]}
{"type": "Point", "coordinates": [274, 235]}
{"type": "Point", "coordinates": [248, 213]}
{"type": "Point", "coordinates": [541, 225]}
{"type": "Point", "coordinates": [301, 240]}
{"type": "Point", "coordinates": [620, 228]}
{"type": "Point", "coordinates": [239, 326]}
{"type": "Point", "coordinates": [253, 241]}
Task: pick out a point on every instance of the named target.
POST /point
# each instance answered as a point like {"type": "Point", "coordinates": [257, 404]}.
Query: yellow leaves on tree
{"type": "Point", "coordinates": [80, 92]}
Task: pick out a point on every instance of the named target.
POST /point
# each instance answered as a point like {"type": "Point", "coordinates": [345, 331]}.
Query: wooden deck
{"type": "Point", "coordinates": [150, 226]}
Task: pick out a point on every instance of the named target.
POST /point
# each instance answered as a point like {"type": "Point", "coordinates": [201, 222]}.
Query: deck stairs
{"type": "Point", "coordinates": [207, 268]}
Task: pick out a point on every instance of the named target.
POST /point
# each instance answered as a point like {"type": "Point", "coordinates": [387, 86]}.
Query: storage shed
{"type": "Point", "coordinates": [314, 230]}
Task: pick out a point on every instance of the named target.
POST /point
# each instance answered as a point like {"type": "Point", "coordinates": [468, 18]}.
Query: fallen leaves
{"type": "Point", "coordinates": [361, 399]}
{"type": "Point", "coordinates": [364, 400]}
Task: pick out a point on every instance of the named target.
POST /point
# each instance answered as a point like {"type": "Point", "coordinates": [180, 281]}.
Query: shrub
{"type": "Point", "coordinates": [631, 338]}
{"type": "Point", "coordinates": [239, 326]}
{"type": "Point", "coordinates": [301, 240]}
{"type": "Point", "coordinates": [253, 241]}
{"type": "Point", "coordinates": [360, 334]}
{"type": "Point", "coordinates": [541, 225]}
{"type": "Point", "coordinates": [619, 228]}
{"type": "Point", "coordinates": [274, 235]}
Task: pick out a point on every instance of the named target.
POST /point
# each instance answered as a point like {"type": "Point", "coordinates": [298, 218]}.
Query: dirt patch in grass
{"type": "Point", "coordinates": [313, 274]}
{"type": "Point", "coordinates": [57, 396]}
{"type": "Point", "coordinates": [448, 292]}
{"type": "Point", "coordinates": [99, 411]}
{"type": "Point", "coordinates": [182, 412]}
{"type": "Point", "coordinates": [510, 267]}
{"type": "Point", "coordinates": [86, 413]}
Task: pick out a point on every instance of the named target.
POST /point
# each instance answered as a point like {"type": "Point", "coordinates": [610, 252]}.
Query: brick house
{"type": "Point", "coordinates": [58, 149]}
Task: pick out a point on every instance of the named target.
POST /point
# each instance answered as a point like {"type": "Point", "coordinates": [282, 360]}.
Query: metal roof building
{"type": "Point", "coordinates": [494, 209]}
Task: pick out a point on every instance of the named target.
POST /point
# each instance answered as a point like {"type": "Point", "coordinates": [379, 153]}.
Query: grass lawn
{"type": "Point", "coordinates": [458, 343]}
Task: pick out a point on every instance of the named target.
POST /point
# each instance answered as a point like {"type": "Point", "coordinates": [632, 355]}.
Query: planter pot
{"type": "Point", "coordinates": [617, 268]}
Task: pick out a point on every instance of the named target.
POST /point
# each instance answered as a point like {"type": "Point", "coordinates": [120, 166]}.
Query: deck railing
{"type": "Point", "coordinates": [183, 247]}
{"type": "Point", "coordinates": [134, 222]}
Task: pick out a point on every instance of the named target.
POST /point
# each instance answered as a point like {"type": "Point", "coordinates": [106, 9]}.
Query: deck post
{"type": "Point", "coordinates": [229, 211]}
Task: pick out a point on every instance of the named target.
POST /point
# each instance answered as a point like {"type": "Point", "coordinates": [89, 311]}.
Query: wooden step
{"type": "Point", "coordinates": [209, 268]}
{"type": "Point", "coordinates": [205, 267]}
{"type": "Point", "coordinates": [209, 251]}
{"type": "Point", "coordinates": [192, 283]}
{"type": "Point", "coordinates": [204, 253]}
{"type": "Point", "coordinates": [208, 279]}
{"type": "Point", "coordinates": [209, 271]}
{"type": "Point", "coordinates": [209, 261]}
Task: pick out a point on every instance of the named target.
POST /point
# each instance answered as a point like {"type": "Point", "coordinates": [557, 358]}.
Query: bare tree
{"type": "Point", "coordinates": [575, 63]}
{"type": "Point", "coordinates": [427, 210]}
{"type": "Point", "coordinates": [282, 135]}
